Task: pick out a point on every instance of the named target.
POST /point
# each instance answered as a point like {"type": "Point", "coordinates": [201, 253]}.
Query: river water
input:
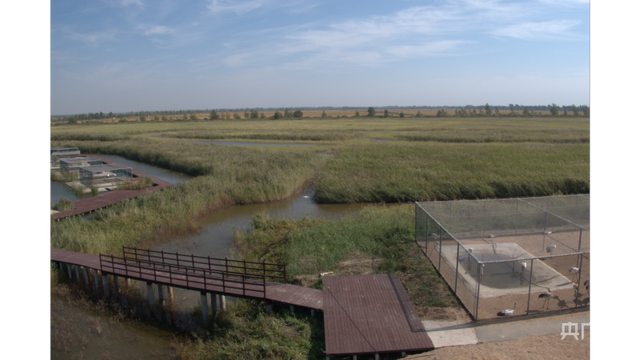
{"type": "Point", "coordinates": [214, 239]}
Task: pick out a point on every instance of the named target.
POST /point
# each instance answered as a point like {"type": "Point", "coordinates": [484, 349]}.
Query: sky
{"type": "Point", "coordinates": [143, 55]}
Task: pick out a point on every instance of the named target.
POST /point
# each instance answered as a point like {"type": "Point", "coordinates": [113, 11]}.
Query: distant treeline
{"type": "Point", "coordinates": [471, 110]}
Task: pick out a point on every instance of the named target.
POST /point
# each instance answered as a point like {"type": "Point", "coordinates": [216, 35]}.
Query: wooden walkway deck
{"type": "Point", "coordinates": [88, 205]}
{"type": "Point", "coordinates": [368, 314]}
{"type": "Point", "coordinates": [274, 291]}
{"type": "Point", "coordinates": [363, 314]}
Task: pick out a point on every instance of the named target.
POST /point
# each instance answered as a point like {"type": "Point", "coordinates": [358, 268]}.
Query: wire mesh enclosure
{"type": "Point", "coordinates": [528, 255]}
{"type": "Point", "coordinates": [104, 174]}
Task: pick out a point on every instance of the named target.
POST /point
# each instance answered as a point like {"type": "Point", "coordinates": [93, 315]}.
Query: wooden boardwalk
{"type": "Point", "coordinates": [369, 314]}
{"type": "Point", "coordinates": [363, 314]}
{"type": "Point", "coordinates": [88, 205]}
{"type": "Point", "coordinates": [274, 291]}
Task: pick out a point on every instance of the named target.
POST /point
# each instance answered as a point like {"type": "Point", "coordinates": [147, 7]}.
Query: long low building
{"type": "Point", "coordinates": [90, 175]}
{"type": "Point", "coordinates": [73, 164]}
{"type": "Point", "coordinates": [57, 155]}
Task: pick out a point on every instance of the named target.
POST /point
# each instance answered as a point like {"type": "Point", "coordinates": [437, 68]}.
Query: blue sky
{"type": "Point", "coordinates": [132, 55]}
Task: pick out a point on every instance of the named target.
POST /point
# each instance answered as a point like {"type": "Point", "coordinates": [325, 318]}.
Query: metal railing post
{"type": "Point", "coordinates": [455, 288]}
{"type": "Point", "coordinates": [530, 280]}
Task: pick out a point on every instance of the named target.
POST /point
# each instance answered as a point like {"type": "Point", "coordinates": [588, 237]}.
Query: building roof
{"type": "Point", "coordinates": [75, 160]}
{"type": "Point", "coordinates": [105, 167]}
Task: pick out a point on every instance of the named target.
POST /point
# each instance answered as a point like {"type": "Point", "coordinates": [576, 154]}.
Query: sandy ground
{"type": "Point", "coordinates": [541, 347]}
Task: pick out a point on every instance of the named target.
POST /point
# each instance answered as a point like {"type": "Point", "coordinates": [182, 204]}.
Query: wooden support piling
{"type": "Point", "coordinates": [205, 310]}
{"type": "Point", "coordinates": [77, 273]}
{"type": "Point", "coordinates": [214, 305]}
{"type": "Point", "coordinates": [86, 276]}
{"type": "Point", "coordinates": [69, 271]}
{"type": "Point", "coordinates": [223, 301]}
{"type": "Point", "coordinates": [105, 284]}
{"type": "Point", "coordinates": [150, 293]}
{"type": "Point", "coordinates": [161, 294]}
{"type": "Point", "coordinates": [95, 279]}
{"type": "Point", "coordinates": [116, 283]}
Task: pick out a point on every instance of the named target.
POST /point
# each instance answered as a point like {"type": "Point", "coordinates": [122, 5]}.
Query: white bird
{"type": "Point", "coordinates": [507, 312]}
{"type": "Point", "coordinates": [547, 298]}
{"type": "Point", "coordinates": [306, 196]}
{"type": "Point", "coordinates": [523, 266]}
{"type": "Point", "coordinates": [433, 235]}
{"type": "Point", "coordinates": [548, 232]}
{"type": "Point", "coordinates": [491, 236]}
{"type": "Point", "coordinates": [574, 270]}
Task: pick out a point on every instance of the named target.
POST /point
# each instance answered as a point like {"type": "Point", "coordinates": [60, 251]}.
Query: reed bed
{"type": "Point", "coordinates": [438, 171]}
{"type": "Point", "coordinates": [227, 176]}
{"type": "Point", "coordinates": [293, 135]}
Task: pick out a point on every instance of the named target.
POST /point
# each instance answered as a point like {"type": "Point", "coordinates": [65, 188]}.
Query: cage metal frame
{"type": "Point", "coordinates": [474, 312]}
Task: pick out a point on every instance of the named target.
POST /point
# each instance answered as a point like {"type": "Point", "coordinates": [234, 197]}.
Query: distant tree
{"type": "Point", "coordinates": [386, 113]}
{"type": "Point", "coordinates": [565, 113]}
{"type": "Point", "coordinates": [143, 116]}
{"type": "Point", "coordinates": [164, 117]}
{"type": "Point", "coordinates": [357, 113]}
{"type": "Point", "coordinates": [575, 110]}
{"type": "Point", "coordinates": [246, 114]}
{"type": "Point", "coordinates": [324, 114]}
{"type": "Point", "coordinates": [156, 117]}
{"type": "Point", "coordinates": [442, 113]}
{"type": "Point", "coordinates": [288, 114]}
{"type": "Point", "coordinates": [487, 109]}
{"type": "Point", "coordinates": [297, 113]}
{"type": "Point", "coordinates": [401, 114]}
{"type": "Point", "coordinates": [525, 112]}
{"type": "Point", "coordinates": [371, 112]}
{"type": "Point", "coordinates": [253, 114]}
{"type": "Point", "coordinates": [418, 114]}
{"type": "Point", "coordinates": [262, 116]}
{"type": "Point", "coordinates": [236, 116]}
{"type": "Point", "coordinates": [185, 117]}
{"type": "Point", "coordinates": [214, 115]}
{"type": "Point", "coordinates": [475, 112]}
{"type": "Point", "coordinates": [227, 116]}
{"type": "Point", "coordinates": [72, 120]}
{"type": "Point", "coordinates": [587, 111]}
{"type": "Point", "coordinates": [277, 115]}
{"type": "Point", "coordinates": [554, 110]}
{"type": "Point", "coordinates": [497, 112]}
{"type": "Point", "coordinates": [193, 116]}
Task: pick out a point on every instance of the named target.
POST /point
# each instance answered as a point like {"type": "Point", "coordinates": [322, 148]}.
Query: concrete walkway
{"type": "Point", "coordinates": [450, 333]}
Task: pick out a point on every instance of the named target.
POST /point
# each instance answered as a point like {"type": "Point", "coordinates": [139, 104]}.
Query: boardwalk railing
{"type": "Point", "coordinates": [195, 272]}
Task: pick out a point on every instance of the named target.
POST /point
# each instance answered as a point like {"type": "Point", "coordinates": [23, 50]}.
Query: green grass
{"type": "Point", "coordinates": [380, 233]}
{"type": "Point", "coordinates": [391, 172]}
{"type": "Point", "coordinates": [246, 331]}
{"type": "Point", "coordinates": [63, 205]}
{"type": "Point", "coordinates": [228, 176]}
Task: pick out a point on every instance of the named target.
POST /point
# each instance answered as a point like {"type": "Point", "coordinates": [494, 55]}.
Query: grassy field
{"type": "Point", "coordinates": [352, 160]}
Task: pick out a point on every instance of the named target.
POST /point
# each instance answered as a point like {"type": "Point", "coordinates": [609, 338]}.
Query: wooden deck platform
{"type": "Point", "coordinates": [274, 291]}
{"type": "Point", "coordinates": [88, 205]}
{"type": "Point", "coordinates": [368, 314]}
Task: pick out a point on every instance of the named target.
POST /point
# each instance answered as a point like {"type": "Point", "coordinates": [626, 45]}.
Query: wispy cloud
{"type": "Point", "coordinates": [137, 3]}
{"type": "Point", "coordinates": [235, 6]}
{"type": "Point", "coordinates": [159, 30]}
{"type": "Point", "coordinates": [424, 50]}
{"type": "Point", "coordinates": [93, 38]}
{"type": "Point", "coordinates": [538, 30]}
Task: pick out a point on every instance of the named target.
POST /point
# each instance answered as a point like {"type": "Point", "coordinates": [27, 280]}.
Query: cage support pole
{"type": "Point", "coordinates": [530, 280]}
{"type": "Point", "coordinates": [484, 215]}
{"type": "Point", "coordinates": [579, 249]}
{"type": "Point", "coordinates": [544, 233]}
{"type": "Point", "coordinates": [478, 281]}
{"type": "Point", "coordinates": [517, 203]}
{"type": "Point", "coordinates": [440, 252]}
{"type": "Point", "coordinates": [579, 277]}
{"type": "Point", "coordinates": [455, 287]}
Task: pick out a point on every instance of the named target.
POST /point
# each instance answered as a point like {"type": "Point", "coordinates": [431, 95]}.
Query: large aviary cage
{"type": "Point", "coordinates": [73, 164]}
{"type": "Point", "coordinates": [55, 154]}
{"type": "Point", "coordinates": [104, 174]}
{"type": "Point", "coordinates": [527, 254]}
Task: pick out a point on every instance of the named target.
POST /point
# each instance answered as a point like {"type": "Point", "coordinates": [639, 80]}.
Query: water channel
{"type": "Point", "coordinates": [214, 239]}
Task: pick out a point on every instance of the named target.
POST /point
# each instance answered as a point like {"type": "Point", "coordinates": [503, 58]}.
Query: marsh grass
{"type": "Point", "coordinates": [435, 171]}
{"type": "Point", "coordinates": [292, 135]}
{"type": "Point", "coordinates": [378, 239]}
{"type": "Point", "coordinates": [140, 183]}
{"type": "Point", "coordinates": [63, 205]}
{"type": "Point", "coordinates": [63, 176]}
{"type": "Point", "coordinates": [228, 176]}
{"type": "Point", "coordinates": [246, 331]}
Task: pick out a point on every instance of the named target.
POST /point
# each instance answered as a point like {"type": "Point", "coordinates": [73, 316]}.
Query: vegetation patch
{"type": "Point", "coordinates": [63, 205]}
{"type": "Point", "coordinates": [139, 183]}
